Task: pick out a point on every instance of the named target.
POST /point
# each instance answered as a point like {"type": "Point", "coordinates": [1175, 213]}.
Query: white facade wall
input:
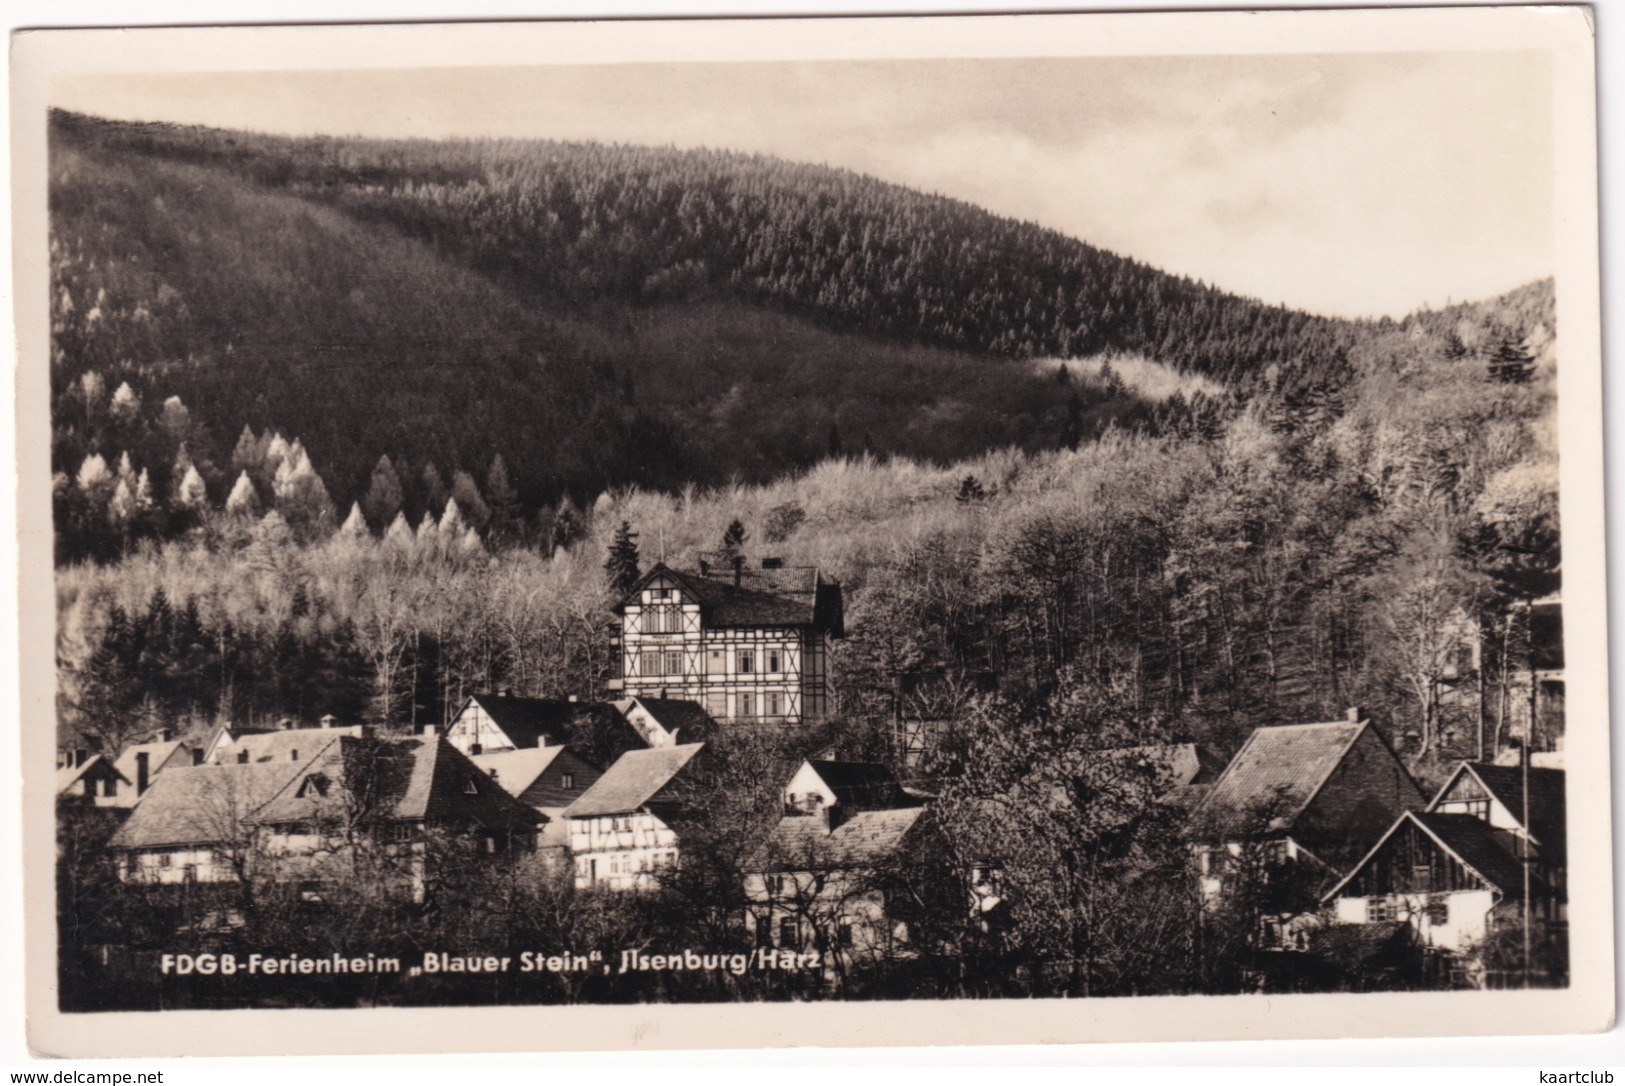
{"type": "Point", "coordinates": [475, 728]}
{"type": "Point", "coordinates": [621, 852]}
{"type": "Point", "coordinates": [759, 673]}
{"type": "Point", "coordinates": [1464, 923]}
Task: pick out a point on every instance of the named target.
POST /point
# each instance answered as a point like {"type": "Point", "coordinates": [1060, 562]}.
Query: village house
{"type": "Point", "coordinates": [286, 742]}
{"type": "Point", "coordinates": [752, 645]}
{"type": "Point", "coordinates": [622, 831]}
{"type": "Point", "coordinates": [666, 722]}
{"type": "Point", "coordinates": [93, 780]}
{"type": "Point", "coordinates": [1457, 873]}
{"type": "Point", "coordinates": [821, 879]}
{"type": "Point", "coordinates": [493, 723]}
{"type": "Point", "coordinates": [405, 801]}
{"type": "Point", "coordinates": [141, 763]}
{"type": "Point", "coordinates": [195, 824]}
{"type": "Point", "coordinates": [1311, 795]}
{"type": "Point", "coordinates": [294, 819]}
{"type": "Point", "coordinates": [547, 779]}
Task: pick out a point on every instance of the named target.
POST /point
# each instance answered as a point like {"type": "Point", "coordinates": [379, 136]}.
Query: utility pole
{"type": "Point", "coordinates": [1527, 963]}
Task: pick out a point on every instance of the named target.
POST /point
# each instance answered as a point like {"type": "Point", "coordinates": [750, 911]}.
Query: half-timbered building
{"type": "Point", "coordinates": [622, 832]}
{"type": "Point", "coordinates": [753, 646]}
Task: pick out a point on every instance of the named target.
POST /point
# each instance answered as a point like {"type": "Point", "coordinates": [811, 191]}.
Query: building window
{"type": "Point", "coordinates": [1438, 912]}
{"type": "Point", "coordinates": [845, 929]}
{"type": "Point", "coordinates": [716, 705]}
{"type": "Point", "coordinates": [747, 706]}
{"type": "Point", "coordinates": [165, 860]}
{"type": "Point", "coordinates": [1378, 910]}
{"type": "Point", "coordinates": [789, 933]}
{"type": "Point", "coordinates": [568, 782]}
{"type": "Point", "coordinates": [775, 885]}
{"type": "Point", "coordinates": [623, 825]}
{"type": "Point", "coordinates": [674, 663]}
{"type": "Point", "coordinates": [773, 662]}
{"type": "Point", "coordinates": [764, 927]}
{"type": "Point", "coordinates": [774, 704]}
{"type": "Point", "coordinates": [747, 661]}
{"type": "Point", "coordinates": [661, 594]}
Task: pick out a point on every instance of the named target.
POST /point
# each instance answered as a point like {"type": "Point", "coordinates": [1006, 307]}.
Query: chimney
{"type": "Point", "coordinates": [293, 755]}
{"type": "Point", "coordinates": [80, 757]}
{"type": "Point", "coordinates": [429, 731]}
{"type": "Point", "coordinates": [705, 568]}
{"type": "Point", "coordinates": [165, 734]}
{"type": "Point", "coordinates": [197, 755]}
{"type": "Point", "coordinates": [285, 724]}
{"type": "Point", "coordinates": [242, 757]}
{"type": "Point", "coordinates": [329, 720]}
{"type": "Point", "coordinates": [141, 771]}
{"type": "Point", "coordinates": [574, 699]}
{"type": "Point", "coordinates": [739, 569]}
{"type": "Point", "coordinates": [1355, 714]}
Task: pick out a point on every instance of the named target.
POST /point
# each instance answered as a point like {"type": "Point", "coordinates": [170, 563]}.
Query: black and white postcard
{"type": "Point", "coordinates": [845, 531]}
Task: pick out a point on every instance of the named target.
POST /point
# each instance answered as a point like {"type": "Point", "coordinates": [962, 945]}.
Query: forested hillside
{"type": "Point", "coordinates": [346, 426]}
{"type": "Point", "coordinates": [597, 316]}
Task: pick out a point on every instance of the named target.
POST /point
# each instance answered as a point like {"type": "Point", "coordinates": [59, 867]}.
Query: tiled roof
{"type": "Point", "coordinates": [861, 784]}
{"type": "Point", "coordinates": [68, 776]}
{"type": "Point", "coordinates": [201, 805]}
{"type": "Point", "coordinates": [636, 778]}
{"type": "Point", "coordinates": [157, 754]}
{"type": "Point", "coordinates": [283, 744]}
{"type": "Point", "coordinates": [1273, 777]}
{"type": "Point", "coordinates": [516, 770]}
{"type": "Point", "coordinates": [532, 722]}
{"type": "Point", "coordinates": [805, 842]}
{"type": "Point", "coordinates": [1480, 846]}
{"type": "Point", "coordinates": [417, 779]}
{"type": "Point", "coordinates": [1547, 806]}
{"type": "Point", "coordinates": [687, 719]}
{"type": "Point", "coordinates": [780, 597]}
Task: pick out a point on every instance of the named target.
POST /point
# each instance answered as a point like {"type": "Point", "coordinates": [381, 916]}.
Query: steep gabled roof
{"type": "Point", "coordinates": [416, 779]}
{"type": "Point", "coordinates": [1547, 803]}
{"type": "Point", "coordinates": [204, 805]}
{"type": "Point", "coordinates": [531, 722]}
{"type": "Point", "coordinates": [779, 597]}
{"type": "Point", "coordinates": [517, 770]}
{"type": "Point", "coordinates": [157, 754]}
{"type": "Point", "coordinates": [1482, 848]}
{"type": "Point", "coordinates": [687, 719]}
{"type": "Point", "coordinates": [806, 843]}
{"type": "Point", "coordinates": [95, 765]}
{"type": "Point", "coordinates": [1273, 778]}
{"type": "Point", "coordinates": [637, 778]}
{"type": "Point", "coordinates": [861, 784]}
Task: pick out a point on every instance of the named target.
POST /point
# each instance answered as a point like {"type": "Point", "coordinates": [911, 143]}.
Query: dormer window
{"type": "Point", "coordinates": [313, 786]}
{"type": "Point", "coordinates": [472, 788]}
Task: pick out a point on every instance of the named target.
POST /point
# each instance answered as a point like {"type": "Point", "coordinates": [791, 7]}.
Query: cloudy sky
{"type": "Point", "coordinates": [1355, 184]}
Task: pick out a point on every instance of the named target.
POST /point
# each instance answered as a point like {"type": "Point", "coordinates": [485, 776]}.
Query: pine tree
{"type": "Point", "coordinates": [243, 498]}
{"type": "Point", "coordinates": [355, 525]}
{"type": "Point", "coordinates": [190, 492]}
{"type": "Point", "coordinates": [434, 489]}
{"type": "Point", "coordinates": [451, 522]}
{"type": "Point", "coordinates": [622, 563]}
{"type": "Point", "coordinates": [733, 539]}
{"type": "Point", "coordinates": [126, 404]}
{"type": "Point", "coordinates": [970, 490]}
{"type": "Point", "coordinates": [1510, 363]}
{"type": "Point", "coordinates": [384, 494]}
{"type": "Point", "coordinates": [501, 496]}
{"type": "Point", "coordinates": [466, 493]}
{"type": "Point", "coordinates": [400, 532]}
{"type": "Point", "coordinates": [249, 454]}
